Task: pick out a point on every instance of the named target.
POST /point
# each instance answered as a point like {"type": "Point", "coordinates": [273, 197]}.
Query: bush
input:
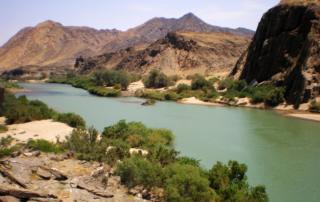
{"type": "Point", "coordinates": [183, 87]}
{"type": "Point", "coordinates": [230, 183]}
{"type": "Point", "coordinates": [44, 146]}
{"type": "Point", "coordinates": [111, 78]}
{"type": "Point", "coordinates": [139, 171]}
{"type": "Point", "coordinates": [187, 183]}
{"type": "Point", "coordinates": [156, 79]}
{"type": "Point", "coordinates": [72, 120]}
{"type": "Point", "coordinates": [5, 146]}
{"type": "Point", "coordinates": [171, 96]}
{"type": "Point", "coordinates": [200, 82]}
{"type": "Point", "coordinates": [314, 106]}
{"type": "Point", "coordinates": [21, 110]}
{"type": "Point", "coordinates": [274, 97]}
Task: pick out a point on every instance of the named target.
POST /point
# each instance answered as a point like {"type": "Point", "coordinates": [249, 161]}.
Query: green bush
{"type": "Point", "coordinates": [171, 96]}
{"type": "Point", "coordinates": [314, 106]}
{"type": "Point", "coordinates": [5, 146]}
{"type": "Point", "coordinates": [156, 79]}
{"type": "Point", "coordinates": [230, 183]}
{"type": "Point", "coordinates": [183, 87]}
{"type": "Point", "coordinates": [72, 120]}
{"type": "Point", "coordinates": [200, 82]}
{"type": "Point", "coordinates": [187, 183]}
{"type": "Point", "coordinates": [111, 78]}
{"type": "Point", "coordinates": [44, 146]}
{"type": "Point", "coordinates": [139, 171]}
{"type": "Point", "coordinates": [21, 110]}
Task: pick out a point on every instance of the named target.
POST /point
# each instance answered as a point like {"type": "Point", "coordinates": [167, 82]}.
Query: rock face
{"type": "Point", "coordinates": [285, 50]}
{"type": "Point", "coordinates": [54, 178]}
{"type": "Point", "coordinates": [181, 53]}
{"type": "Point", "coordinates": [50, 44]}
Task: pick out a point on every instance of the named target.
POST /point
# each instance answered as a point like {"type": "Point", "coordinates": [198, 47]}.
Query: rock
{"type": "Point", "coordinates": [33, 153]}
{"type": "Point", "coordinates": [58, 175]}
{"type": "Point", "coordinates": [141, 152]}
{"type": "Point", "coordinates": [23, 193]}
{"type": "Point", "coordinates": [285, 50]}
{"type": "Point", "coordinates": [9, 199]}
{"type": "Point", "coordinates": [43, 174]}
{"type": "Point", "coordinates": [90, 185]}
{"type": "Point", "coordinates": [243, 101]}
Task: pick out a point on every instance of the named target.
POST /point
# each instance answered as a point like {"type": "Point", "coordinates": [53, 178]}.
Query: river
{"type": "Point", "coordinates": [281, 152]}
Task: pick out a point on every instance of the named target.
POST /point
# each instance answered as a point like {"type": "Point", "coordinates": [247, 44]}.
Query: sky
{"type": "Point", "coordinates": [124, 14]}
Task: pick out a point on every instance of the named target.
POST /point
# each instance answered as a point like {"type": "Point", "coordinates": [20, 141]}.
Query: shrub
{"type": "Point", "coordinates": [188, 161]}
{"type": "Point", "coordinates": [139, 171]}
{"type": "Point", "coordinates": [200, 82]}
{"type": "Point", "coordinates": [156, 79]}
{"type": "Point", "coordinates": [21, 110]}
{"type": "Point", "coordinates": [314, 106]}
{"type": "Point", "coordinates": [72, 120]}
{"type": "Point", "coordinates": [44, 146]}
{"type": "Point", "coordinates": [274, 97]}
{"type": "Point", "coordinates": [183, 87]}
{"type": "Point", "coordinates": [187, 183]}
{"type": "Point", "coordinates": [111, 78]}
{"type": "Point", "coordinates": [5, 146]}
{"type": "Point", "coordinates": [230, 183]}
{"type": "Point", "coordinates": [171, 96]}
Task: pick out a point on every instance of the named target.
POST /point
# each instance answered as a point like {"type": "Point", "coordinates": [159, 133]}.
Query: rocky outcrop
{"type": "Point", "coordinates": [53, 178]}
{"type": "Point", "coordinates": [285, 50]}
{"type": "Point", "coordinates": [181, 53]}
{"type": "Point", "coordinates": [50, 44]}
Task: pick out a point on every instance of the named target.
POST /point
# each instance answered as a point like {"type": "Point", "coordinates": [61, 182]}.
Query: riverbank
{"type": "Point", "coordinates": [287, 110]}
{"type": "Point", "coordinates": [44, 129]}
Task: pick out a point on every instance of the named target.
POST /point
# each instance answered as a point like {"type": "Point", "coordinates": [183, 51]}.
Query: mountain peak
{"type": "Point", "coordinates": [48, 23]}
{"type": "Point", "coordinates": [190, 16]}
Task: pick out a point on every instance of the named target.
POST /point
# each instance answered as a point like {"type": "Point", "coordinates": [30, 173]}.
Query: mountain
{"type": "Point", "coordinates": [182, 53]}
{"type": "Point", "coordinates": [50, 44]}
{"type": "Point", "coordinates": [285, 50]}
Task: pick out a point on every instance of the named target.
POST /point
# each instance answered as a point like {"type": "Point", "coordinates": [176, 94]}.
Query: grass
{"type": "Point", "coordinates": [44, 146]}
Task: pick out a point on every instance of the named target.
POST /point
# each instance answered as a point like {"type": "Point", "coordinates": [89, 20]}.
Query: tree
{"type": "Point", "coordinates": [72, 120]}
{"type": "Point", "coordinates": [156, 79]}
{"type": "Point", "coordinates": [186, 183]}
{"type": "Point", "coordinates": [199, 82]}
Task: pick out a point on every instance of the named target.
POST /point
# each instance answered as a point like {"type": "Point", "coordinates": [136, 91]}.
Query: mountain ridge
{"type": "Point", "coordinates": [50, 43]}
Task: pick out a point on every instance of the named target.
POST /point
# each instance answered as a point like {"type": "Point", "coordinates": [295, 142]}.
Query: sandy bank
{"type": "Point", "coordinates": [44, 129]}
{"type": "Point", "coordinates": [196, 101]}
{"type": "Point", "coordinates": [304, 115]}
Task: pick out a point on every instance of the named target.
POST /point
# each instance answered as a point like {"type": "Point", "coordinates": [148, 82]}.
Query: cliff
{"type": "Point", "coordinates": [285, 50]}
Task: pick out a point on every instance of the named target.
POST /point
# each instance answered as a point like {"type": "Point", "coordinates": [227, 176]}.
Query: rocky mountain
{"type": "Point", "coordinates": [52, 44]}
{"type": "Point", "coordinates": [285, 50]}
{"type": "Point", "coordinates": [181, 53]}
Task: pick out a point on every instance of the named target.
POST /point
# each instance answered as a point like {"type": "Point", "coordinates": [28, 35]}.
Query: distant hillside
{"type": "Point", "coordinates": [182, 53]}
{"type": "Point", "coordinates": [50, 44]}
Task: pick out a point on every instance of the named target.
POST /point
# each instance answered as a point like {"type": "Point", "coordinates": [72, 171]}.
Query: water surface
{"type": "Point", "coordinates": [281, 153]}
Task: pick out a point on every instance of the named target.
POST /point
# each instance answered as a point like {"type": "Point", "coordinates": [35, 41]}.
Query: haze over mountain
{"type": "Point", "coordinates": [50, 44]}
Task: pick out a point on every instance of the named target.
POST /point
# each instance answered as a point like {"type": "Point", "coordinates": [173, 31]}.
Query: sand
{"type": "Point", "coordinates": [44, 129]}
{"type": "Point", "coordinates": [135, 86]}
{"type": "Point", "coordinates": [196, 101]}
{"type": "Point", "coordinates": [306, 116]}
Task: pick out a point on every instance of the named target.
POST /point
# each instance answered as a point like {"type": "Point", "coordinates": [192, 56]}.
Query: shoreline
{"type": "Point", "coordinates": [287, 111]}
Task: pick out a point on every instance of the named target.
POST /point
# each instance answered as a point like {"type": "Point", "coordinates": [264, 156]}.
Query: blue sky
{"type": "Point", "coordinates": [124, 14]}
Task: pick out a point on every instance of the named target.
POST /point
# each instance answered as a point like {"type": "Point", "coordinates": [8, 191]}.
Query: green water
{"type": "Point", "coordinates": [281, 153]}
